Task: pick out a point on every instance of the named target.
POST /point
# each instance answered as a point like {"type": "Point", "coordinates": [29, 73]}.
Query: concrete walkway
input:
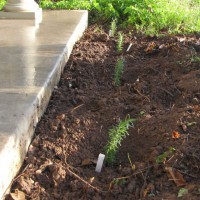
{"type": "Point", "coordinates": [31, 61]}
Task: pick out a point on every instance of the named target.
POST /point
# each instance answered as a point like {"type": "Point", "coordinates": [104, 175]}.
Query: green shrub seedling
{"type": "Point", "coordinates": [116, 135]}
{"type": "Point", "coordinates": [113, 28]}
{"type": "Point", "coordinates": [119, 68]}
{"type": "Point", "coordinates": [120, 42]}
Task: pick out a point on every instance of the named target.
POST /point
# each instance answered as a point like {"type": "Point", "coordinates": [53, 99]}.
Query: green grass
{"type": "Point", "coordinates": [147, 16]}
{"type": "Point", "coordinates": [116, 135]}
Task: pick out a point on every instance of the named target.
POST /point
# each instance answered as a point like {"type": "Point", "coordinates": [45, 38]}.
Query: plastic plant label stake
{"type": "Point", "coordinates": [110, 33]}
{"type": "Point", "coordinates": [100, 162]}
{"type": "Point", "coordinates": [130, 45]}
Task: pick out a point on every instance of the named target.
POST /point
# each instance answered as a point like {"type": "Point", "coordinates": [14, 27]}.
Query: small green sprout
{"type": "Point", "coordinates": [116, 135]}
{"type": "Point", "coordinates": [119, 68]}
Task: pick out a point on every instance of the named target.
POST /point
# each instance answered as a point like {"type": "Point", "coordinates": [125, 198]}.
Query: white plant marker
{"type": "Point", "coordinates": [110, 33]}
{"type": "Point", "coordinates": [130, 45]}
{"type": "Point", "coordinates": [100, 162]}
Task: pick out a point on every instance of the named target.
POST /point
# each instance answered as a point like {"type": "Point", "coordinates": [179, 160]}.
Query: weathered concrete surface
{"type": "Point", "coordinates": [31, 61]}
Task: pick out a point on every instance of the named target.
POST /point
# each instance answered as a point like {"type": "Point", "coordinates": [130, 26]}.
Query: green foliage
{"type": "Point", "coordinates": [2, 3]}
{"type": "Point", "coordinates": [113, 28]}
{"type": "Point", "coordinates": [119, 68]}
{"type": "Point", "coordinates": [66, 4]}
{"type": "Point", "coordinates": [116, 135]}
{"type": "Point", "coordinates": [148, 16]}
{"type": "Point", "coordinates": [120, 42]}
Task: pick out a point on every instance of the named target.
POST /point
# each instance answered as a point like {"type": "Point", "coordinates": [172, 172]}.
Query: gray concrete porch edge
{"type": "Point", "coordinates": [32, 59]}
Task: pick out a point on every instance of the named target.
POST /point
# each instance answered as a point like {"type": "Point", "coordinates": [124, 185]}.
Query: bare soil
{"type": "Point", "coordinates": [160, 87]}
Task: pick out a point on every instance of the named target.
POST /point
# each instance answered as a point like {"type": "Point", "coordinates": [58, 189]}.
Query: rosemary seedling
{"type": "Point", "coordinates": [113, 28]}
{"type": "Point", "coordinates": [120, 42]}
{"type": "Point", "coordinates": [116, 135]}
{"type": "Point", "coordinates": [119, 68]}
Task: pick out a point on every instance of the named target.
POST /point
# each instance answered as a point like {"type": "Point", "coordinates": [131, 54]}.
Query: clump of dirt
{"type": "Point", "coordinates": [160, 157]}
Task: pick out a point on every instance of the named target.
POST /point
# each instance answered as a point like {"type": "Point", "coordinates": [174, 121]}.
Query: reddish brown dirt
{"type": "Point", "coordinates": [160, 87]}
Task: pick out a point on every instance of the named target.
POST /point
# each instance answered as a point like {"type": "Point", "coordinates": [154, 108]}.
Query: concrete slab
{"type": "Point", "coordinates": [31, 61]}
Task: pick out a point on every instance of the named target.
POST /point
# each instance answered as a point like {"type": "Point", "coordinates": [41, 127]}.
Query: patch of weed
{"type": "Point", "coordinates": [163, 157]}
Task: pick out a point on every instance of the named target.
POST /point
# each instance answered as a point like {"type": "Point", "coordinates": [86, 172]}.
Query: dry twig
{"type": "Point", "coordinates": [76, 108]}
{"type": "Point", "coordinates": [82, 180]}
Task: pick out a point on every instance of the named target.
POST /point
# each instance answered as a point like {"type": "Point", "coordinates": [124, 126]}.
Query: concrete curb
{"type": "Point", "coordinates": [17, 125]}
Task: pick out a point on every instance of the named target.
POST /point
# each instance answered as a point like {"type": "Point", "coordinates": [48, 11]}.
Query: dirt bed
{"type": "Point", "coordinates": [159, 159]}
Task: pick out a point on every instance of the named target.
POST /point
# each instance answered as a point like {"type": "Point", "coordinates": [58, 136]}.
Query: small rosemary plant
{"type": "Point", "coordinates": [116, 135]}
{"type": "Point", "coordinates": [113, 28]}
{"type": "Point", "coordinates": [120, 42]}
{"type": "Point", "coordinates": [119, 68]}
